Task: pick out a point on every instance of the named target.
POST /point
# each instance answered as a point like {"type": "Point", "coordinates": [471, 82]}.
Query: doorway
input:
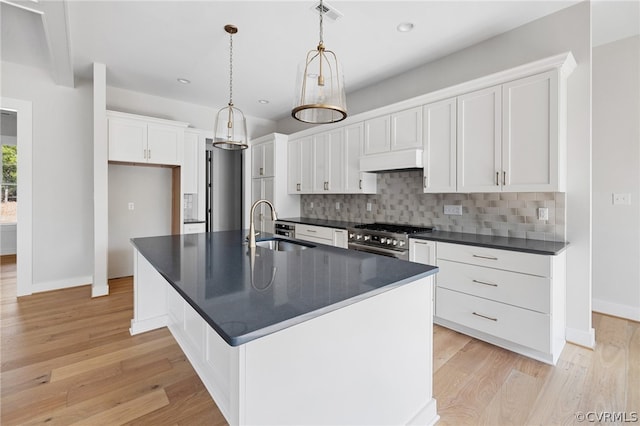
{"type": "Point", "coordinates": [18, 115]}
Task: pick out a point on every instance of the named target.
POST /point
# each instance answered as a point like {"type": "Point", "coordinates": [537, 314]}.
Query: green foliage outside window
{"type": "Point", "coordinates": [9, 171]}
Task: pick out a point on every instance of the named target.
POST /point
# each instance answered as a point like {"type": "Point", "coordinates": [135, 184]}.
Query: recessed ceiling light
{"type": "Point", "coordinates": [184, 81]}
{"type": "Point", "coordinates": [405, 27]}
{"type": "Point", "coordinates": [263, 101]}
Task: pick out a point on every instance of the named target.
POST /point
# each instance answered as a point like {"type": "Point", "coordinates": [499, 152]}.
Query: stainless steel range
{"type": "Point", "coordinates": [383, 238]}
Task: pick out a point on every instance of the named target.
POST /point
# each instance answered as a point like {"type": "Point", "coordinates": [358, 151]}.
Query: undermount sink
{"type": "Point", "coordinates": [280, 244]}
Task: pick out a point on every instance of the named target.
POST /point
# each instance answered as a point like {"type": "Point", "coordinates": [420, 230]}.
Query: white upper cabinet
{"type": "Point", "coordinates": [377, 135]}
{"type": "Point", "coordinates": [530, 154]}
{"type": "Point", "coordinates": [394, 132]}
{"type": "Point", "coordinates": [139, 139]}
{"type": "Point", "coordinates": [406, 129]}
{"type": "Point", "coordinates": [272, 153]}
{"type": "Point", "coordinates": [262, 160]}
{"type": "Point", "coordinates": [439, 153]}
{"type": "Point", "coordinates": [329, 162]}
{"type": "Point", "coordinates": [480, 140]}
{"type": "Point", "coordinates": [300, 166]}
{"type": "Point", "coordinates": [356, 182]}
{"type": "Point", "coordinates": [190, 163]}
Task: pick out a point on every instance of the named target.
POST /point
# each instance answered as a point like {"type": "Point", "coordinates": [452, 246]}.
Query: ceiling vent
{"type": "Point", "coordinates": [329, 11]}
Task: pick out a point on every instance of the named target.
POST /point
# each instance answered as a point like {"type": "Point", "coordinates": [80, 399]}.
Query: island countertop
{"type": "Point", "coordinates": [213, 272]}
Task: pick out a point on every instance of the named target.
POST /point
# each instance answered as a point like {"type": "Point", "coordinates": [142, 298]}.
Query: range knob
{"type": "Point", "coordinates": [395, 242]}
{"type": "Point", "coordinates": [400, 243]}
{"type": "Point", "coordinates": [351, 235]}
{"type": "Point", "coordinates": [383, 240]}
{"type": "Point", "coordinates": [367, 237]}
{"type": "Point", "coordinates": [389, 240]}
{"type": "Point", "coordinates": [358, 237]}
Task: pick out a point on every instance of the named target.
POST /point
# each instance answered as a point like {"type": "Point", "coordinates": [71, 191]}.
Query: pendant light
{"type": "Point", "coordinates": [320, 96]}
{"type": "Point", "coordinates": [231, 126]}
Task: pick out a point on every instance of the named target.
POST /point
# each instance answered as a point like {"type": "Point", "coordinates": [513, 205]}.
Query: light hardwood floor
{"type": "Point", "coordinates": [69, 359]}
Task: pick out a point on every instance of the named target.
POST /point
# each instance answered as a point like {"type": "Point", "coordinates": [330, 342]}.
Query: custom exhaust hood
{"type": "Point", "coordinates": [392, 160]}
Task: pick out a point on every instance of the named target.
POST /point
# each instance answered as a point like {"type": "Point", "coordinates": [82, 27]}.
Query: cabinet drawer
{"type": "Point", "coordinates": [526, 291]}
{"type": "Point", "coordinates": [527, 328]}
{"type": "Point", "coordinates": [526, 263]}
{"type": "Point", "coordinates": [315, 232]}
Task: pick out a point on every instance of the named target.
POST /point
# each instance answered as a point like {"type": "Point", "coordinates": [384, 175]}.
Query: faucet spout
{"type": "Point", "coordinates": [252, 228]}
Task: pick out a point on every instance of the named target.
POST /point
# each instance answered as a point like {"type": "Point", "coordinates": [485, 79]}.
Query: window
{"type": "Point", "coordinates": [9, 184]}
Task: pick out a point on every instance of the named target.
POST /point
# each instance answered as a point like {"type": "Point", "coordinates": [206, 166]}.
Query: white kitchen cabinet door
{"type": "Point", "coordinates": [355, 181]}
{"type": "Point", "coordinates": [321, 161]}
{"type": "Point", "coordinates": [262, 160]}
{"type": "Point", "coordinates": [268, 191]}
{"type": "Point", "coordinates": [439, 153]}
{"type": "Point", "coordinates": [480, 141]}
{"type": "Point", "coordinates": [257, 193]}
{"type": "Point", "coordinates": [377, 135]}
{"type": "Point", "coordinates": [333, 162]}
{"type": "Point", "coordinates": [530, 155]}
{"type": "Point", "coordinates": [300, 166]}
{"type": "Point", "coordinates": [406, 129]}
{"type": "Point", "coordinates": [164, 144]}
{"type": "Point", "coordinates": [127, 140]}
{"type": "Point", "coordinates": [293, 166]}
{"type": "Point", "coordinates": [190, 164]}
{"type": "Point", "coordinates": [307, 166]}
{"type": "Point", "coordinates": [422, 251]}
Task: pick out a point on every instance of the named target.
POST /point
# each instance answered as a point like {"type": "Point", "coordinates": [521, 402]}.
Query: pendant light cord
{"type": "Point", "coordinates": [230, 69]}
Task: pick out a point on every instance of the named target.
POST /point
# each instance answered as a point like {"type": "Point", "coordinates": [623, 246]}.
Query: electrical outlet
{"type": "Point", "coordinates": [311, 205]}
{"type": "Point", "coordinates": [543, 213]}
{"type": "Point", "coordinates": [368, 207]}
{"type": "Point", "coordinates": [131, 206]}
{"type": "Point", "coordinates": [453, 209]}
{"type": "Point", "coordinates": [622, 199]}
{"type": "Point", "coordinates": [337, 205]}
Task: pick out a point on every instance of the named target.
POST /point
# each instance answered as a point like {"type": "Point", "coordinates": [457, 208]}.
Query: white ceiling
{"type": "Point", "coordinates": [147, 45]}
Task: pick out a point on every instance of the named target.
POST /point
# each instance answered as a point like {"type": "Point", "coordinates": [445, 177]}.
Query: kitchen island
{"type": "Point", "coordinates": [320, 335]}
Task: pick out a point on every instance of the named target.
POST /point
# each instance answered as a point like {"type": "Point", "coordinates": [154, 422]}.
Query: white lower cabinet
{"type": "Point", "coordinates": [511, 299]}
{"type": "Point", "coordinates": [194, 228]}
{"type": "Point", "coordinates": [322, 235]}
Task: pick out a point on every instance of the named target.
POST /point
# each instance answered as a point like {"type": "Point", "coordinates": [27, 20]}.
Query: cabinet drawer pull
{"type": "Point", "coordinates": [484, 316]}
{"type": "Point", "coordinates": [497, 178]}
{"type": "Point", "coordinates": [504, 178]}
{"type": "Point", "coordinates": [311, 230]}
{"type": "Point", "coordinates": [360, 184]}
{"type": "Point", "coordinates": [485, 283]}
{"type": "Point", "coordinates": [485, 257]}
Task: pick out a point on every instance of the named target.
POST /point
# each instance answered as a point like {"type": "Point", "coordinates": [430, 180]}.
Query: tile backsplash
{"type": "Point", "coordinates": [400, 200]}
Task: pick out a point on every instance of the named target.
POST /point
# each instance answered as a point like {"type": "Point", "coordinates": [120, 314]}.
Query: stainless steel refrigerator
{"type": "Point", "coordinates": [223, 189]}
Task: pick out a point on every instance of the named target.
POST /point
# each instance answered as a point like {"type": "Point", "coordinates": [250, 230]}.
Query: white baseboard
{"type": "Point", "coordinates": [99, 290]}
{"type": "Point", "coordinates": [60, 284]}
{"type": "Point", "coordinates": [581, 338]}
{"type": "Point", "coordinates": [615, 309]}
{"type": "Point", "coordinates": [149, 324]}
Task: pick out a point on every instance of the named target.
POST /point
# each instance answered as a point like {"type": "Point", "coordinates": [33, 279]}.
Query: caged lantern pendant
{"type": "Point", "coordinates": [231, 126]}
{"type": "Point", "coordinates": [320, 95]}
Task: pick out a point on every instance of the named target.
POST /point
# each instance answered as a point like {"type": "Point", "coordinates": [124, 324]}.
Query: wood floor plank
{"type": "Point", "coordinates": [633, 363]}
{"type": "Point", "coordinates": [128, 411]}
{"type": "Point", "coordinates": [505, 409]}
{"type": "Point", "coordinates": [449, 343]}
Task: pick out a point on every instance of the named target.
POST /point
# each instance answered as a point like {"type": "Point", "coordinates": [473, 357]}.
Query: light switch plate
{"type": "Point", "coordinates": [337, 205]}
{"type": "Point", "coordinates": [131, 206]}
{"type": "Point", "coordinates": [368, 207]}
{"type": "Point", "coordinates": [453, 209]}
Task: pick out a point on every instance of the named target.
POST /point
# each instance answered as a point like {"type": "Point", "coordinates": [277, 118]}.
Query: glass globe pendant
{"type": "Point", "coordinates": [320, 95]}
{"type": "Point", "coordinates": [231, 126]}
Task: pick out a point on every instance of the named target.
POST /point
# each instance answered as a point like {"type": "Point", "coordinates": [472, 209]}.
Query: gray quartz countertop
{"type": "Point", "coordinates": [213, 271]}
{"type": "Point", "coordinates": [551, 248]}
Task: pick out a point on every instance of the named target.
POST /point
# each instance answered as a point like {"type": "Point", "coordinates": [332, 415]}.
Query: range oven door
{"type": "Point", "coordinates": [398, 254]}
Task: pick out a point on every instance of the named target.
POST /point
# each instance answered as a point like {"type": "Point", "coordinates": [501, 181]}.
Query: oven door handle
{"type": "Point", "coordinates": [377, 250]}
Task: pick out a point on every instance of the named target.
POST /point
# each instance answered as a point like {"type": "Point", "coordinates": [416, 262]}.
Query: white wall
{"type": "Point", "coordinates": [62, 175]}
{"type": "Point", "coordinates": [616, 169]}
{"type": "Point", "coordinates": [566, 30]}
{"type": "Point", "coordinates": [149, 189]}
